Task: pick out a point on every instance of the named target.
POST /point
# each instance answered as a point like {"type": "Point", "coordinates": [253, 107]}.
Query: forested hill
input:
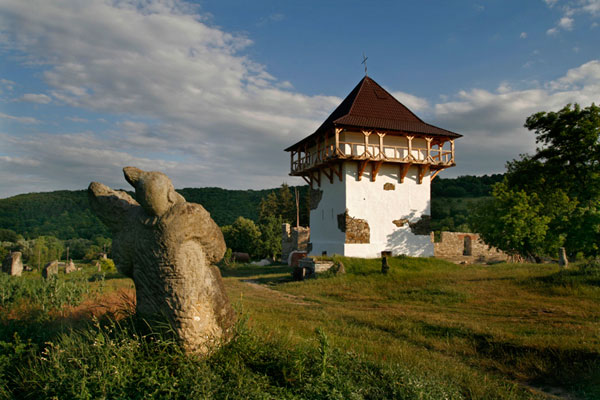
{"type": "Point", "coordinates": [66, 214]}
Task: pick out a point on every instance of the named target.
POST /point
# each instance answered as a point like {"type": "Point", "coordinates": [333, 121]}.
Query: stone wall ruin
{"type": "Point", "coordinates": [466, 248]}
{"type": "Point", "coordinates": [293, 239]}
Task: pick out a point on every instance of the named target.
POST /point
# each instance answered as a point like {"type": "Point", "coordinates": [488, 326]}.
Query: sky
{"type": "Point", "coordinates": [210, 92]}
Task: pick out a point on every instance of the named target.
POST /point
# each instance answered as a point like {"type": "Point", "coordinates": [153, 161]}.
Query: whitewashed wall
{"type": "Point", "coordinates": [369, 201]}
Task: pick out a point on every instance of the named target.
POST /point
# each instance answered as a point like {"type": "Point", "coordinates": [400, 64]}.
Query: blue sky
{"type": "Point", "coordinates": [210, 92]}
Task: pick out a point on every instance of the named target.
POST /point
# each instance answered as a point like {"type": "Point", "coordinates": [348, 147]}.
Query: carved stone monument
{"type": "Point", "coordinates": [563, 261]}
{"type": "Point", "coordinates": [13, 264]}
{"type": "Point", "coordinates": [167, 246]}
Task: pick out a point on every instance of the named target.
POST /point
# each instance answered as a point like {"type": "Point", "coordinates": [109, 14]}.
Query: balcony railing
{"type": "Point", "coordinates": [304, 160]}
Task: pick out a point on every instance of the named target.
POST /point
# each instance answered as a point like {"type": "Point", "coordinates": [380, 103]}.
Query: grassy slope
{"type": "Point", "coordinates": [428, 329]}
{"type": "Point", "coordinates": [492, 331]}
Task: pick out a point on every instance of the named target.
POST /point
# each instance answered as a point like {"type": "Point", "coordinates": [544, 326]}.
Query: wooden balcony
{"type": "Point", "coordinates": [302, 162]}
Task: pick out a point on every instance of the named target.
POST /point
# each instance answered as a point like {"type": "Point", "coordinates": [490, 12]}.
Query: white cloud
{"type": "Point", "coordinates": [492, 122]}
{"type": "Point", "coordinates": [414, 103]}
{"type": "Point", "coordinates": [22, 120]}
{"type": "Point", "coordinates": [35, 98]}
{"type": "Point", "coordinates": [566, 23]}
{"type": "Point", "coordinates": [203, 101]}
{"type": "Point", "coordinates": [572, 8]}
{"type": "Point", "coordinates": [523, 35]}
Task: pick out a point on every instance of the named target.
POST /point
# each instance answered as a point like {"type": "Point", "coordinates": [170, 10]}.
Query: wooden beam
{"type": "Point", "coordinates": [375, 170]}
{"type": "Point", "coordinates": [436, 173]}
{"type": "Point", "coordinates": [316, 175]}
{"type": "Point", "coordinates": [452, 151]}
{"type": "Point", "coordinates": [423, 170]}
{"type": "Point", "coordinates": [338, 170]}
{"type": "Point", "coordinates": [403, 171]}
{"type": "Point", "coordinates": [361, 168]}
{"type": "Point", "coordinates": [328, 175]}
{"type": "Point", "coordinates": [306, 180]}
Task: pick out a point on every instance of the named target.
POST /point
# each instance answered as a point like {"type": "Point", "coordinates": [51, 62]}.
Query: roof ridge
{"type": "Point", "coordinates": [398, 101]}
{"type": "Point", "coordinates": [361, 84]}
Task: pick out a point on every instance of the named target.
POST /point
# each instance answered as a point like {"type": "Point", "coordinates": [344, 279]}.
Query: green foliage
{"type": "Point", "coordinates": [243, 236]}
{"type": "Point", "coordinates": [558, 188]}
{"type": "Point", "coordinates": [129, 359]}
{"type": "Point", "coordinates": [46, 295]}
{"type": "Point", "coordinates": [7, 235]}
{"type": "Point", "coordinates": [108, 265]}
{"type": "Point", "coordinates": [63, 214]}
{"type": "Point", "coordinates": [270, 237]}
{"type": "Point", "coordinates": [464, 186]}
{"type": "Point", "coordinates": [512, 221]}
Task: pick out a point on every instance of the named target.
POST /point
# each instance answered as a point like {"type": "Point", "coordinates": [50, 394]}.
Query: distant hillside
{"type": "Point", "coordinates": [66, 214]}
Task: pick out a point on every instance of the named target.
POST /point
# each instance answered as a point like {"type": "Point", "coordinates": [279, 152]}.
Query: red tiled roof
{"type": "Point", "coordinates": [369, 106]}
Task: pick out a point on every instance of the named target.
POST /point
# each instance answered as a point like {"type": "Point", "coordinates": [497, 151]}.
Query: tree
{"type": "Point", "coordinates": [270, 238]}
{"type": "Point", "coordinates": [243, 236]}
{"type": "Point", "coordinates": [551, 198]}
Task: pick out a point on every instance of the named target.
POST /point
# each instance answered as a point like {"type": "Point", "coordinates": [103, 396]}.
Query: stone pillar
{"type": "Point", "coordinates": [13, 264]}
{"type": "Point", "coordinates": [563, 261]}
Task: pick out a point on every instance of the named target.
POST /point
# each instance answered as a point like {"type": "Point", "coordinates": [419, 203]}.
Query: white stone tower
{"type": "Point", "coordinates": [369, 166]}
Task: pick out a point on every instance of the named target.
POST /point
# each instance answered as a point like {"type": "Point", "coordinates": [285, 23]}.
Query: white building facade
{"type": "Point", "coordinates": [369, 167]}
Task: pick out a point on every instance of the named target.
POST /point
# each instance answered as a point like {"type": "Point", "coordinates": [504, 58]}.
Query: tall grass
{"type": "Point", "coordinates": [129, 359]}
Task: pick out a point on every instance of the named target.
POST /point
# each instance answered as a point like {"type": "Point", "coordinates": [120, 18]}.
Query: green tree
{"type": "Point", "coordinates": [270, 238]}
{"type": "Point", "coordinates": [556, 191]}
{"type": "Point", "coordinates": [243, 236]}
{"type": "Point", "coordinates": [287, 204]}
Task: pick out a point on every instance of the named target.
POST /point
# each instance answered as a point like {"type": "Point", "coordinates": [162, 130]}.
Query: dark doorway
{"type": "Point", "coordinates": [467, 251]}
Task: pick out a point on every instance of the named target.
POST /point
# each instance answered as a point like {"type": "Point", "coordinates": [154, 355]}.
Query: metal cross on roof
{"type": "Point", "coordinates": [364, 61]}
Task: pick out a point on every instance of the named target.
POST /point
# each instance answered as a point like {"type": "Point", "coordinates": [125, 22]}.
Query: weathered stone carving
{"type": "Point", "coordinates": [70, 267]}
{"type": "Point", "coordinates": [563, 261]}
{"type": "Point", "coordinates": [167, 245]}
{"type": "Point", "coordinates": [50, 269]}
{"type": "Point", "coordinates": [13, 264]}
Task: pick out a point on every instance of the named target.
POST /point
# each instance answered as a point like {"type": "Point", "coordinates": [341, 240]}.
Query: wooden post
{"type": "Point", "coordinates": [367, 134]}
{"type": "Point", "coordinates": [292, 160]}
{"type": "Point", "coordinates": [297, 207]}
{"type": "Point", "coordinates": [410, 138]}
{"type": "Point", "coordinates": [337, 140]}
{"type": "Point", "coordinates": [452, 151]}
{"type": "Point", "coordinates": [428, 139]}
{"type": "Point", "coordinates": [381, 153]}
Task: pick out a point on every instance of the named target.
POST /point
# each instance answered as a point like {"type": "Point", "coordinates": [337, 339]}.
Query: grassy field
{"type": "Point", "coordinates": [429, 329]}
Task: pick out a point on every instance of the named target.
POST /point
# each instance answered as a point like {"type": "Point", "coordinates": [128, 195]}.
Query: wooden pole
{"type": "Point", "coordinates": [297, 207]}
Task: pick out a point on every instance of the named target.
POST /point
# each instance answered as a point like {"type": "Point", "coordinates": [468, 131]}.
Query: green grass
{"type": "Point", "coordinates": [428, 329]}
{"type": "Point", "coordinates": [503, 331]}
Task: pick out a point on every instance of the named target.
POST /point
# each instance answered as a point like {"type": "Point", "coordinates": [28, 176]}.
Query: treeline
{"type": "Point", "coordinates": [66, 214]}
{"type": "Point", "coordinates": [464, 186]}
